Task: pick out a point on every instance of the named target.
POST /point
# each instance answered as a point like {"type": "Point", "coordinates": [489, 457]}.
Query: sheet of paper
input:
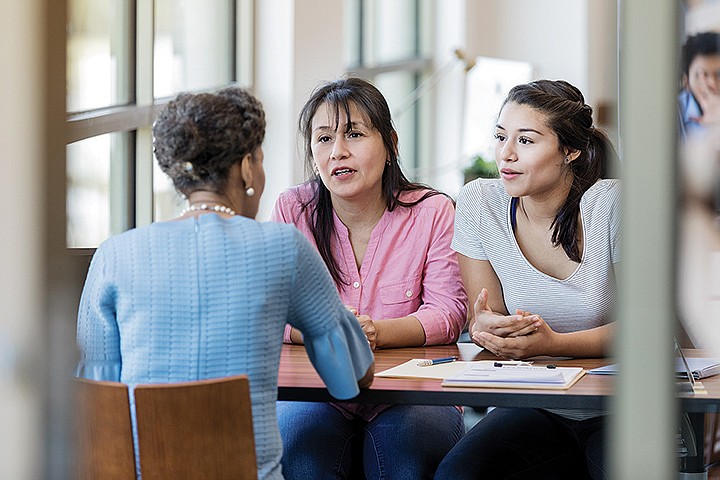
{"type": "Point", "coordinates": [478, 375]}
{"type": "Point", "coordinates": [411, 369]}
{"type": "Point", "coordinates": [511, 374]}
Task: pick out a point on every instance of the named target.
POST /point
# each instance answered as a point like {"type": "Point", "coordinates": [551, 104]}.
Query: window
{"type": "Point", "coordinates": [186, 31]}
{"type": "Point", "coordinates": [99, 54]}
{"type": "Point", "coordinates": [98, 189]}
{"type": "Point", "coordinates": [125, 59]}
{"type": "Point", "coordinates": [385, 46]}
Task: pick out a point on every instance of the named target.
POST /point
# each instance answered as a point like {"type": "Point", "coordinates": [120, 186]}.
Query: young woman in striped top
{"type": "Point", "coordinates": [537, 250]}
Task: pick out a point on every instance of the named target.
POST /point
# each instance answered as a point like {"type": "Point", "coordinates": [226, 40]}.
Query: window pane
{"type": "Point", "coordinates": [98, 51]}
{"type": "Point", "coordinates": [194, 45]}
{"type": "Point", "coordinates": [167, 203]}
{"type": "Point", "coordinates": [398, 87]}
{"type": "Point", "coordinates": [352, 13]}
{"type": "Point", "coordinates": [391, 31]}
{"type": "Point", "coordinates": [98, 189]}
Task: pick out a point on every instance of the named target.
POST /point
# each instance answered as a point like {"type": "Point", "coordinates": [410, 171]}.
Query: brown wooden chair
{"type": "Point", "coordinates": [103, 432]}
{"type": "Point", "coordinates": [196, 430]}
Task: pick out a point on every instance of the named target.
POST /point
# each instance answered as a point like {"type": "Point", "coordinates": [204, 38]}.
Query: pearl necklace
{"type": "Point", "coordinates": [212, 208]}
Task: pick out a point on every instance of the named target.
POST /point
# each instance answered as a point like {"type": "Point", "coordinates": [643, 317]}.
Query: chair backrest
{"type": "Point", "coordinates": [196, 430]}
{"type": "Point", "coordinates": [103, 432]}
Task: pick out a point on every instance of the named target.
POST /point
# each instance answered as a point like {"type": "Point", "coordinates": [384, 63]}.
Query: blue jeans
{"type": "Point", "coordinates": [404, 442]}
{"type": "Point", "coordinates": [525, 444]}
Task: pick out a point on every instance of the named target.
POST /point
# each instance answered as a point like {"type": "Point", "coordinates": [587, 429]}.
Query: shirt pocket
{"type": "Point", "coordinates": [400, 292]}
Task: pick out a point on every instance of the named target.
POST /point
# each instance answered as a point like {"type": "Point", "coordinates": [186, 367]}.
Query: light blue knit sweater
{"type": "Point", "coordinates": [209, 297]}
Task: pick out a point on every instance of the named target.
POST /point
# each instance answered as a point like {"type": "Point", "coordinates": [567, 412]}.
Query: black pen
{"type": "Point", "coordinates": [436, 361]}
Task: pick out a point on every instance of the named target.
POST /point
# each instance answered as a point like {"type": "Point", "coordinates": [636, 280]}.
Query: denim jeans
{"type": "Point", "coordinates": [527, 444]}
{"type": "Point", "coordinates": [404, 442]}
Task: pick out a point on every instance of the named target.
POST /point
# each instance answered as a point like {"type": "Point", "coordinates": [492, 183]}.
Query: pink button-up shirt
{"type": "Point", "coordinates": [408, 267]}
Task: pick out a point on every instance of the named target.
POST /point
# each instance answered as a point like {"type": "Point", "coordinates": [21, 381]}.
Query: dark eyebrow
{"type": "Point", "coordinates": [358, 124]}
{"type": "Point", "coordinates": [529, 130]}
{"type": "Point", "coordinates": [520, 129]}
{"type": "Point", "coordinates": [334, 129]}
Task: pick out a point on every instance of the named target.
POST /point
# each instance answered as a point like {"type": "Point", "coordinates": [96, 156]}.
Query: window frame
{"type": "Point", "coordinates": [419, 64]}
{"type": "Point", "coordinates": [137, 116]}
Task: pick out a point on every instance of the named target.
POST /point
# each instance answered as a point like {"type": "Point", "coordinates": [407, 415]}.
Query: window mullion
{"type": "Point", "coordinates": [144, 55]}
{"type": "Point", "coordinates": [244, 42]}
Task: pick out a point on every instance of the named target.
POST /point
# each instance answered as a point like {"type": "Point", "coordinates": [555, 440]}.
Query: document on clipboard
{"type": "Point", "coordinates": [515, 376]}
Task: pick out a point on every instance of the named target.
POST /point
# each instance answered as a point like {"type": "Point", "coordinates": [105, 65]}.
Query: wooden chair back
{"type": "Point", "coordinates": [103, 432]}
{"type": "Point", "coordinates": [196, 430]}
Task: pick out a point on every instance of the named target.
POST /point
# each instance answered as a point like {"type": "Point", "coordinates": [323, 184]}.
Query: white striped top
{"type": "Point", "coordinates": [584, 299]}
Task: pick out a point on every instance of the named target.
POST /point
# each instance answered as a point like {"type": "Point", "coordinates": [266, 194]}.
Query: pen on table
{"type": "Point", "coordinates": [436, 361]}
{"type": "Point", "coordinates": [512, 363]}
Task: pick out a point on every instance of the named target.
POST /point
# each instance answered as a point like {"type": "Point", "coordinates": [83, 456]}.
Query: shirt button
{"type": "Point", "coordinates": [408, 293]}
{"type": "Point", "coordinates": [356, 285]}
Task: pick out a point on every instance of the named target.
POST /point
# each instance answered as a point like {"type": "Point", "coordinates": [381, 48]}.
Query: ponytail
{"type": "Point", "coordinates": [588, 168]}
{"type": "Point", "coordinates": [571, 120]}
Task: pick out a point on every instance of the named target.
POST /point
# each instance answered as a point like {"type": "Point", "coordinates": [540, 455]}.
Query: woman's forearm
{"type": "Point", "coordinates": [595, 342]}
{"type": "Point", "coordinates": [400, 332]}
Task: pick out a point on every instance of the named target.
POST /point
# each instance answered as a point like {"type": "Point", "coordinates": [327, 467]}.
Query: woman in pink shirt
{"type": "Point", "coordinates": [386, 242]}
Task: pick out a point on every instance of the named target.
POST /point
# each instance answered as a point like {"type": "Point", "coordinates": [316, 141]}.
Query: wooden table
{"type": "Point", "coordinates": [299, 381]}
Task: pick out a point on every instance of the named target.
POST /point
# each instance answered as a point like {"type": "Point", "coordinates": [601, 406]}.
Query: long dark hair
{"type": "Point", "coordinates": [571, 119]}
{"type": "Point", "coordinates": [341, 95]}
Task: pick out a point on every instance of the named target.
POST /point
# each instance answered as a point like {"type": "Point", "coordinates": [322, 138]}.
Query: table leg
{"type": "Point", "coordinates": [692, 467]}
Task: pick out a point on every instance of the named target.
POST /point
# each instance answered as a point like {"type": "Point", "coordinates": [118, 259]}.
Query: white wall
{"type": "Point", "coordinates": [34, 372]}
{"type": "Point", "coordinates": [20, 252]}
{"type": "Point", "coordinates": [573, 40]}
{"type": "Point", "coordinates": [450, 24]}
{"type": "Point", "coordinates": [551, 34]}
{"type": "Point", "coordinates": [274, 62]}
{"type": "Point", "coordinates": [299, 43]}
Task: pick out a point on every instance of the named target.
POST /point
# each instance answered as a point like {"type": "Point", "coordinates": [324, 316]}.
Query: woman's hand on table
{"type": "Point", "coordinates": [540, 342]}
{"type": "Point", "coordinates": [485, 320]}
{"type": "Point", "coordinates": [368, 326]}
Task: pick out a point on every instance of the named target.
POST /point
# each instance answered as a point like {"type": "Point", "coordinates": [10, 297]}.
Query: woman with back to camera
{"type": "Point", "coordinates": [541, 242]}
{"type": "Point", "coordinates": [208, 294]}
{"type": "Point", "coordinates": [386, 242]}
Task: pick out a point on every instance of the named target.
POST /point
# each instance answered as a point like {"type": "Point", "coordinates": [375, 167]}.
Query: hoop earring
{"type": "Point", "coordinates": [250, 191]}
{"type": "Point", "coordinates": [567, 160]}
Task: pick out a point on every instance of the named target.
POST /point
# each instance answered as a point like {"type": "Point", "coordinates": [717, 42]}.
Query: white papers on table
{"type": "Point", "coordinates": [485, 374]}
{"type": "Point", "coordinates": [411, 369]}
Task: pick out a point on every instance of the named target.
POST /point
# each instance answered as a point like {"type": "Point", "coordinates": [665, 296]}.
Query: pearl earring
{"type": "Point", "coordinates": [250, 192]}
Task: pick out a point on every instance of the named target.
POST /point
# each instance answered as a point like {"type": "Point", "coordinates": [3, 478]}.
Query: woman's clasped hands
{"type": "Point", "coordinates": [516, 336]}
{"type": "Point", "coordinates": [368, 326]}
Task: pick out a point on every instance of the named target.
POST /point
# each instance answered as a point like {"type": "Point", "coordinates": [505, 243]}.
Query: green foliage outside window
{"type": "Point", "coordinates": [480, 168]}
